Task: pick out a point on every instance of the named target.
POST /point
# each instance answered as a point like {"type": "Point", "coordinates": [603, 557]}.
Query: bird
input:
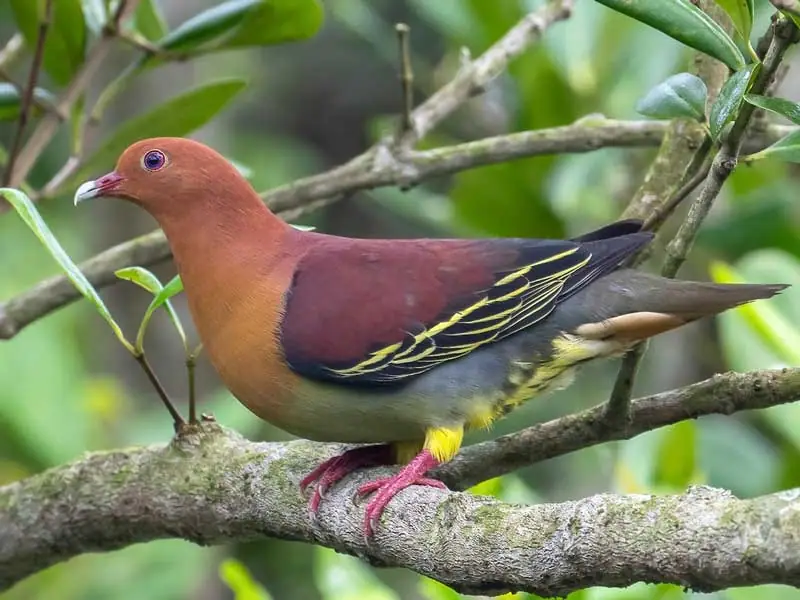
{"type": "Point", "coordinates": [399, 346]}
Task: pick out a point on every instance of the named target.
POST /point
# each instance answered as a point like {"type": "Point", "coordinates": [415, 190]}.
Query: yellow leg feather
{"type": "Point", "coordinates": [444, 442]}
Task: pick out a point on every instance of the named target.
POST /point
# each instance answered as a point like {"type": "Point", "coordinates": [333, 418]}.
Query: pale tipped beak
{"type": "Point", "coordinates": [98, 187]}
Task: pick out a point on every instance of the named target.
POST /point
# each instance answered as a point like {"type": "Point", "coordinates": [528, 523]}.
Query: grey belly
{"type": "Point", "coordinates": [444, 396]}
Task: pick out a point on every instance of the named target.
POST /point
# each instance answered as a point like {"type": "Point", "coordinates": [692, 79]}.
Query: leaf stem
{"type": "Point", "coordinates": [177, 419]}
{"type": "Point", "coordinates": [27, 98]}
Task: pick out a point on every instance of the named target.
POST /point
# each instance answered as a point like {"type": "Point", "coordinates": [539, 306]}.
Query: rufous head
{"type": "Point", "coordinates": [169, 177]}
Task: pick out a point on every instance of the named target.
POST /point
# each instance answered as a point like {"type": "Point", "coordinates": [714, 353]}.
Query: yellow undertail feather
{"type": "Point", "coordinates": [527, 380]}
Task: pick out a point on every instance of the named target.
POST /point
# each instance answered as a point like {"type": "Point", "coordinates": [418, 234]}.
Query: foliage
{"type": "Point", "coordinates": [574, 72]}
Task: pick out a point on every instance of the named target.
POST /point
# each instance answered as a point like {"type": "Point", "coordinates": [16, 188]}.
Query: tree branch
{"type": "Point", "coordinates": [211, 487]}
{"type": "Point", "coordinates": [588, 134]}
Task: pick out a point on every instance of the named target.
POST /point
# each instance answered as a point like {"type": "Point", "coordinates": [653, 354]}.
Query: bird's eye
{"type": "Point", "coordinates": [154, 160]}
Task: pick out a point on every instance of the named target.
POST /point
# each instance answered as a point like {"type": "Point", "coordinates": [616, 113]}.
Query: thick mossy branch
{"type": "Point", "coordinates": [210, 486]}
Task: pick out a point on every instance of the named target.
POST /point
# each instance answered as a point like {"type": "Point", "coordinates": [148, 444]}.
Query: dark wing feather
{"type": "Point", "coordinates": [377, 312]}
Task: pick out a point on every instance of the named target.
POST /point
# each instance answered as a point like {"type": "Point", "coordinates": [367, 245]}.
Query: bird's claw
{"type": "Point", "coordinates": [338, 467]}
{"type": "Point", "coordinates": [387, 488]}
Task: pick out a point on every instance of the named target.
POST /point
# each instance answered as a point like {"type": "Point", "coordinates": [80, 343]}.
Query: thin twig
{"type": "Point", "coordinates": [177, 419]}
{"type": "Point", "coordinates": [698, 174]}
{"type": "Point", "coordinates": [27, 98]}
{"type": "Point", "coordinates": [406, 77]}
{"type": "Point", "coordinates": [190, 373]}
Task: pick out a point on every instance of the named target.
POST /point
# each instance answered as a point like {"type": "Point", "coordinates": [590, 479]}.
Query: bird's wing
{"type": "Point", "coordinates": [380, 312]}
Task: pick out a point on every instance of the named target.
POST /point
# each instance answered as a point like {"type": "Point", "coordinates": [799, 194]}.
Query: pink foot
{"type": "Point", "coordinates": [387, 487]}
{"type": "Point", "coordinates": [338, 467]}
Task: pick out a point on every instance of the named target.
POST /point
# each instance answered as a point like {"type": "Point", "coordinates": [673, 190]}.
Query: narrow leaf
{"type": "Point", "coordinates": [149, 21]}
{"type": "Point", "coordinates": [147, 280]}
{"type": "Point", "coordinates": [10, 102]}
{"type": "Point", "coordinates": [682, 95]}
{"type": "Point", "coordinates": [26, 209]}
{"type": "Point", "coordinates": [176, 117]}
{"type": "Point", "coordinates": [786, 149]}
{"type": "Point", "coordinates": [142, 277]}
{"type": "Point", "coordinates": [742, 13]}
{"type": "Point", "coordinates": [729, 100]}
{"type": "Point", "coordinates": [66, 35]}
{"type": "Point", "coordinates": [780, 106]}
{"type": "Point", "coordinates": [683, 21]}
{"type": "Point", "coordinates": [240, 23]}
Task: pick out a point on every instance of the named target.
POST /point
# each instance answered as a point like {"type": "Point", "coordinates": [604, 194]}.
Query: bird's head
{"type": "Point", "coordinates": [171, 176]}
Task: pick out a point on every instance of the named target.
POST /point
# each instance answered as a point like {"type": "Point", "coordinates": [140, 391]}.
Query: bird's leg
{"type": "Point", "coordinates": [338, 467]}
{"type": "Point", "coordinates": [386, 488]}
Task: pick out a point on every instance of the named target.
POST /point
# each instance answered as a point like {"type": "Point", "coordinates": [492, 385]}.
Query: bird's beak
{"type": "Point", "coordinates": [98, 187]}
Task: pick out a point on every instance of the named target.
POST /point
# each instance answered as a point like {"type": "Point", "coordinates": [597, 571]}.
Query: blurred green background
{"type": "Point", "coordinates": [67, 387]}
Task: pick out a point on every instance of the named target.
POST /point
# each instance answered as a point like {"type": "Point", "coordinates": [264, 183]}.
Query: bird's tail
{"type": "Point", "coordinates": [635, 305]}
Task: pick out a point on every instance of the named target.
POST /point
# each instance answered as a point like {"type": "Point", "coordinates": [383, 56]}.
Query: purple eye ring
{"type": "Point", "coordinates": [154, 160]}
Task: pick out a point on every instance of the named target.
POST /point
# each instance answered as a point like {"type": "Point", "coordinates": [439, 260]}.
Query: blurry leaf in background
{"type": "Point", "coordinates": [66, 35]}
{"type": "Point", "coordinates": [242, 23]}
{"type": "Point", "coordinates": [341, 577]}
{"type": "Point", "coordinates": [149, 21]}
{"type": "Point", "coordinates": [163, 570]}
{"type": "Point", "coordinates": [682, 95]}
{"type": "Point", "coordinates": [430, 589]}
{"type": "Point", "coordinates": [26, 209]}
{"type": "Point", "coordinates": [241, 583]}
{"type": "Point", "coordinates": [741, 13]}
{"type": "Point", "coordinates": [685, 22]}
{"type": "Point", "coordinates": [176, 117]}
{"type": "Point", "coordinates": [764, 319]}
{"type": "Point", "coordinates": [729, 99]}
{"type": "Point", "coordinates": [676, 461]}
{"type": "Point", "coordinates": [10, 101]}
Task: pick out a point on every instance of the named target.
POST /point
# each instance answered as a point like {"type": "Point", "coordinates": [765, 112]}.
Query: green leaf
{"type": "Point", "coordinates": [742, 13]}
{"type": "Point", "coordinates": [682, 95]}
{"type": "Point", "coordinates": [66, 36]}
{"type": "Point", "coordinates": [675, 465]}
{"type": "Point", "coordinates": [26, 209]}
{"type": "Point", "coordinates": [780, 106]}
{"type": "Point", "coordinates": [10, 101]}
{"type": "Point", "coordinates": [729, 100]}
{"type": "Point", "coordinates": [147, 280]}
{"type": "Point", "coordinates": [241, 583]}
{"type": "Point", "coordinates": [149, 21]}
{"type": "Point", "coordinates": [787, 149]}
{"type": "Point", "coordinates": [241, 23]}
{"type": "Point", "coordinates": [683, 21]}
{"type": "Point", "coordinates": [177, 117]}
